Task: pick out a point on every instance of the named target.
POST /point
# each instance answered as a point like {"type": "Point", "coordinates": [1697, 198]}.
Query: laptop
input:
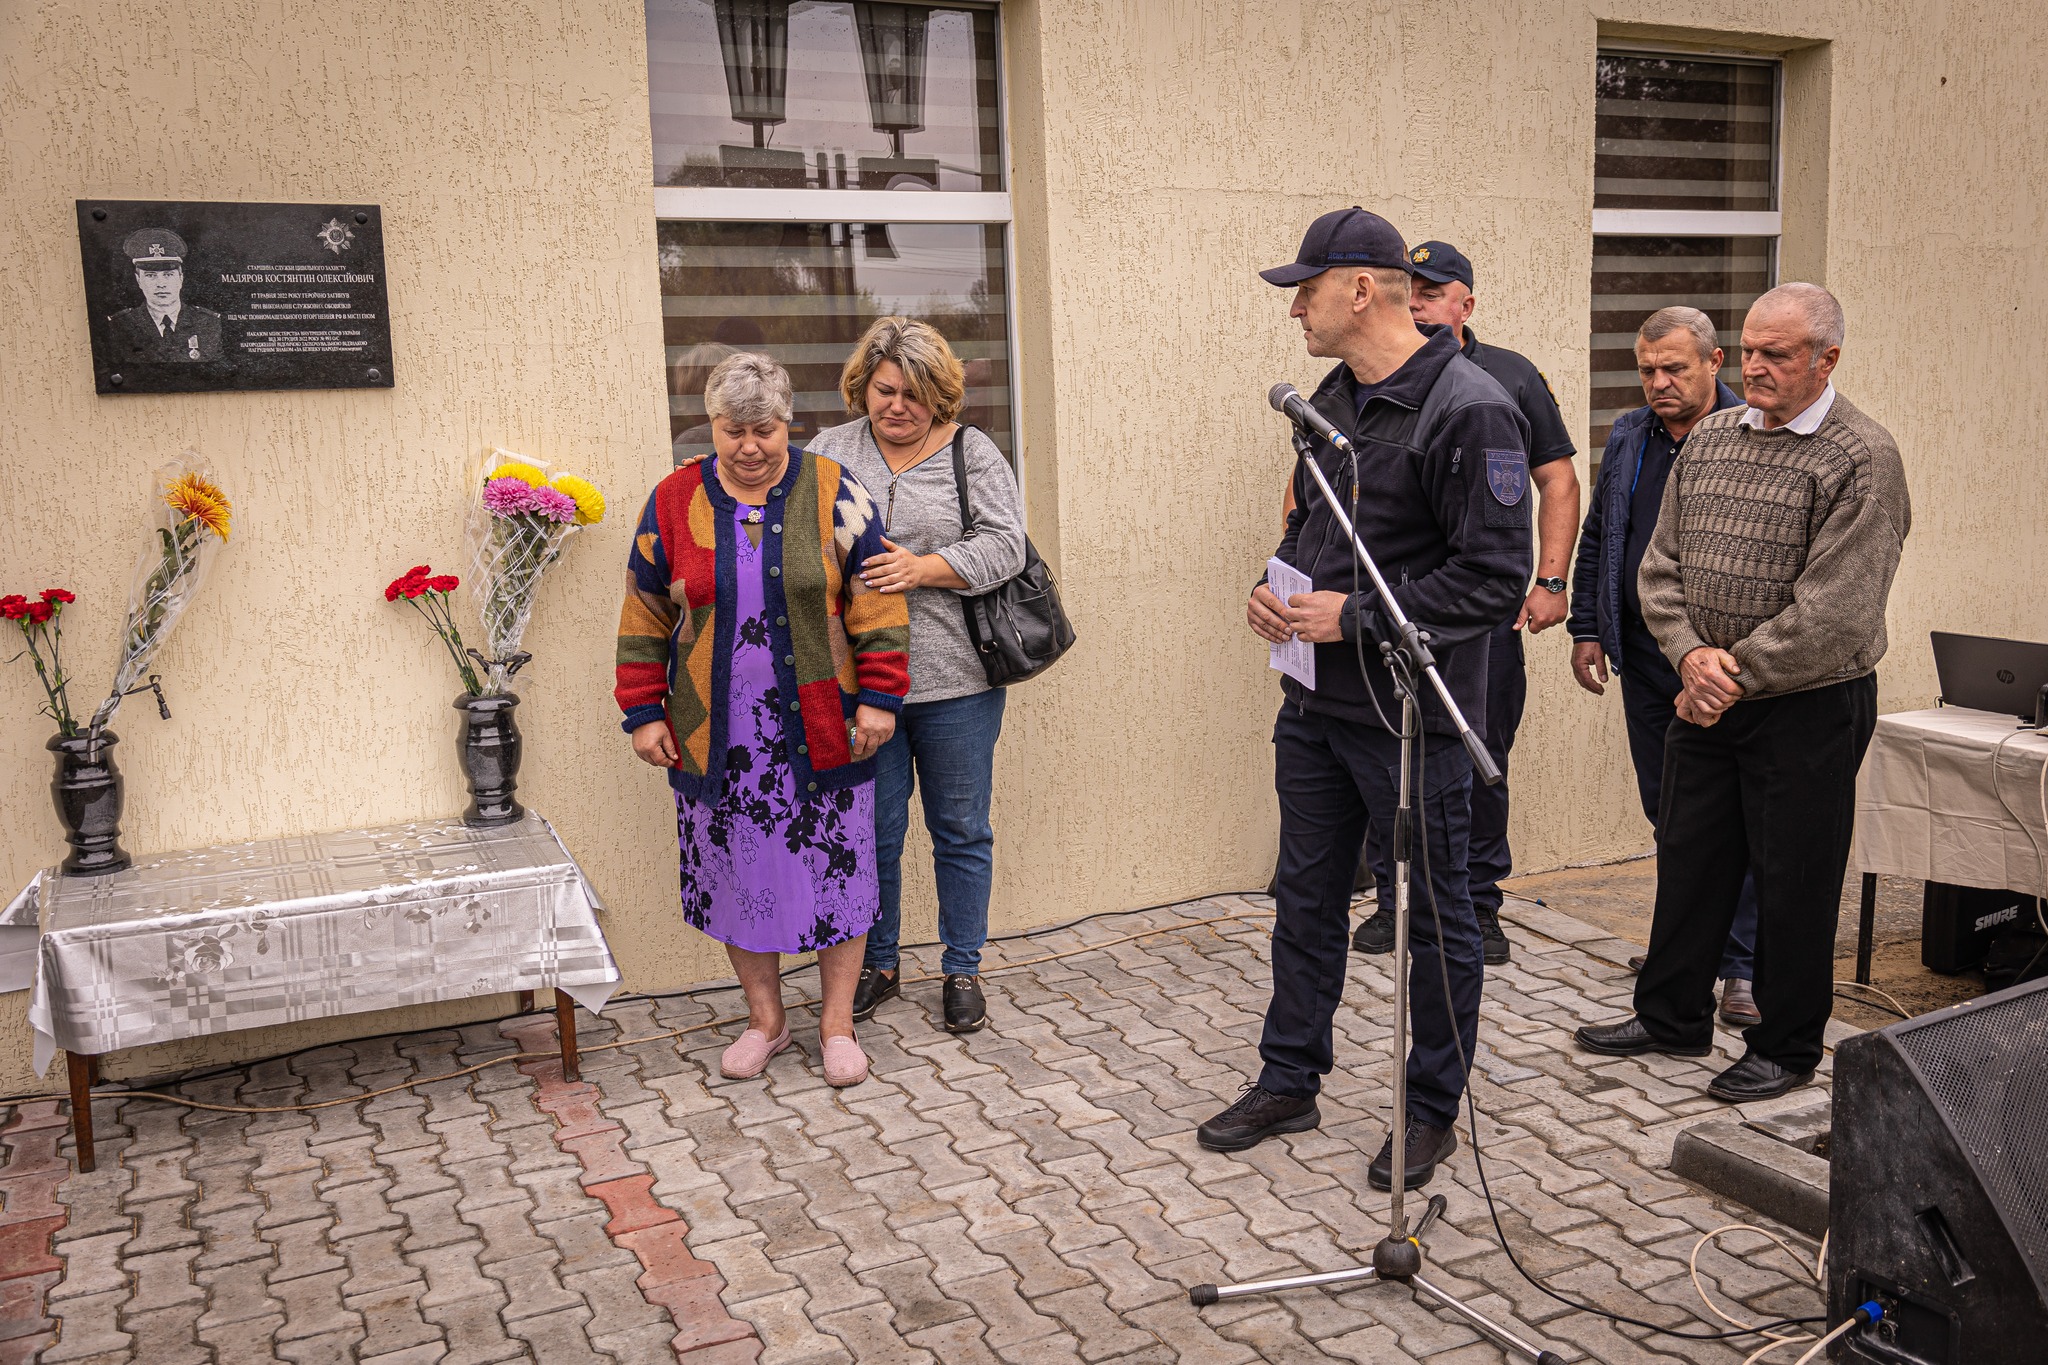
{"type": "Point", "coordinates": [1988, 674]}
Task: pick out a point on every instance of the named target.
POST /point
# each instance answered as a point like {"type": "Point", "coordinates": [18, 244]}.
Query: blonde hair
{"type": "Point", "coordinates": [930, 369]}
{"type": "Point", "coordinates": [749, 388]}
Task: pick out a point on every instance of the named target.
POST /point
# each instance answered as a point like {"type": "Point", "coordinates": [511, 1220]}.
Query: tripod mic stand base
{"type": "Point", "coordinates": [1396, 1258]}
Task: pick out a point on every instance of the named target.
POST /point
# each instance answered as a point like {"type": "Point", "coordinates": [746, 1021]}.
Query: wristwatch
{"type": "Point", "coordinates": [1551, 584]}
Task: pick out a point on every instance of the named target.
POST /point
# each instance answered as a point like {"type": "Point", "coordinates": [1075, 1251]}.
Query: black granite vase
{"type": "Point", "coordinates": [489, 746]}
{"type": "Point", "coordinates": [87, 789]}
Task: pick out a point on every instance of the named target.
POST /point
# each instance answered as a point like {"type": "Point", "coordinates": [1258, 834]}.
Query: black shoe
{"type": "Point", "coordinates": [1427, 1145]}
{"type": "Point", "coordinates": [966, 1011]}
{"type": "Point", "coordinates": [1636, 963]}
{"type": "Point", "coordinates": [1492, 940]}
{"type": "Point", "coordinates": [1375, 934]}
{"type": "Point", "coordinates": [1755, 1078]}
{"type": "Point", "coordinates": [1257, 1115]}
{"type": "Point", "coordinates": [1630, 1039]}
{"type": "Point", "coordinates": [875, 987]}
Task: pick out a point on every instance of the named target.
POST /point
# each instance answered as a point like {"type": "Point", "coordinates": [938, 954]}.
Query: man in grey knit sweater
{"type": "Point", "coordinates": [1765, 586]}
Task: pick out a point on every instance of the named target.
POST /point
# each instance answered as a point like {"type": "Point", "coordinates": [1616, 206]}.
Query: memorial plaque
{"type": "Point", "coordinates": [197, 298]}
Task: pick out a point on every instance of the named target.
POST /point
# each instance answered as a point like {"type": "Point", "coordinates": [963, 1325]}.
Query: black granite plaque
{"type": "Point", "coordinates": [195, 298]}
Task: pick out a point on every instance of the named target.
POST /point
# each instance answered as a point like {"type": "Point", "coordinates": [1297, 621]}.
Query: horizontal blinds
{"type": "Point", "coordinates": [1635, 276]}
{"type": "Point", "coordinates": [1684, 133]}
{"type": "Point", "coordinates": [805, 292]}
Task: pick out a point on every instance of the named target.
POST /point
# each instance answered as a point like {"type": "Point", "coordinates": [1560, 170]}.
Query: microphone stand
{"type": "Point", "coordinates": [1398, 1256]}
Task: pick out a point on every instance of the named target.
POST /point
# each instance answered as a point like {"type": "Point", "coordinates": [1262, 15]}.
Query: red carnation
{"type": "Point", "coordinates": [39, 612]}
{"type": "Point", "coordinates": [14, 607]}
{"type": "Point", "coordinates": [446, 582]}
{"type": "Point", "coordinates": [58, 595]}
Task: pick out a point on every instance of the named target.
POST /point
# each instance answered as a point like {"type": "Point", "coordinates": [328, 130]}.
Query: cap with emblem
{"type": "Point", "coordinates": [1440, 263]}
{"type": "Point", "coordinates": [154, 248]}
{"type": "Point", "coordinates": [1342, 237]}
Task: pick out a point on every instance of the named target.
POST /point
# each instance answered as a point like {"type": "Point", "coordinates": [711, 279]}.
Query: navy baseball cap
{"type": "Point", "coordinates": [1440, 263]}
{"type": "Point", "coordinates": [1342, 237]}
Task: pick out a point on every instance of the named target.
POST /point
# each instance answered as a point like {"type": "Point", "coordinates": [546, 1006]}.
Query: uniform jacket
{"type": "Point", "coordinates": [1443, 506]}
{"type": "Point", "coordinates": [838, 643]}
{"type": "Point", "coordinates": [1603, 538]}
{"type": "Point", "coordinates": [135, 337]}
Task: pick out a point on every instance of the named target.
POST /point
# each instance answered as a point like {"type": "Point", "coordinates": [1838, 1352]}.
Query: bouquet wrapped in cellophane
{"type": "Point", "coordinates": [519, 520]}
{"type": "Point", "coordinates": [189, 524]}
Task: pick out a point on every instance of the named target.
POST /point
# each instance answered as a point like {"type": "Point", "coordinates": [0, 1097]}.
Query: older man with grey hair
{"type": "Point", "coordinates": [1765, 586]}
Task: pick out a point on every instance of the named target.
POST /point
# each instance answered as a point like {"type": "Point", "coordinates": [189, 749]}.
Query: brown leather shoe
{"type": "Point", "coordinates": [1738, 1004]}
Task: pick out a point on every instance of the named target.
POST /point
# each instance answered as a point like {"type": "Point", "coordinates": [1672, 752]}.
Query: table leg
{"type": "Point", "coordinates": [565, 1025]}
{"type": "Point", "coordinates": [81, 1069]}
{"type": "Point", "coordinates": [1866, 928]}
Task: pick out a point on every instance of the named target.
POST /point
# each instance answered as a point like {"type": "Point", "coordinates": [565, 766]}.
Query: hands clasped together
{"type": "Point", "coordinates": [1710, 686]}
{"type": "Point", "coordinates": [1317, 617]}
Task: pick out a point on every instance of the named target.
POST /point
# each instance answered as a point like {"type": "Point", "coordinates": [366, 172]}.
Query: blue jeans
{"type": "Point", "coordinates": [949, 749]}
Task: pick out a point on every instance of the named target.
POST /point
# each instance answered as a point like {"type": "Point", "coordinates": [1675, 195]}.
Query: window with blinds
{"type": "Point", "coordinates": [819, 164]}
{"type": "Point", "coordinates": [1685, 206]}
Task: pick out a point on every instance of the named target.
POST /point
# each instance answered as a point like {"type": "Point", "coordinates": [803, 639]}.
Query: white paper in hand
{"type": "Point", "coordinates": [1296, 658]}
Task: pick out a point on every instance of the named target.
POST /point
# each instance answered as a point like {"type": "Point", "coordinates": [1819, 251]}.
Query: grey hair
{"type": "Point", "coordinates": [1825, 324]}
{"type": "Point", "coordinates": [749, 388]}
{"type": "Point", "coordinates": [1679, 318]}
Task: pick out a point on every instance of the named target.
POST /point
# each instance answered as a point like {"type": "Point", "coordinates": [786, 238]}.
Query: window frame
{"type": "Point", "coordinates": [976, 208]}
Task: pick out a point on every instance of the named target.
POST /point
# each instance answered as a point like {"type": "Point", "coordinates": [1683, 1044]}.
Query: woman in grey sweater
{"type": "Point", "coordinates": [905, 387]}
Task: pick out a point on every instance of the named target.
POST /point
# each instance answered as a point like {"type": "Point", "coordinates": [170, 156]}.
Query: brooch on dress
{"type": "Point", "coordinates": [753, 517]}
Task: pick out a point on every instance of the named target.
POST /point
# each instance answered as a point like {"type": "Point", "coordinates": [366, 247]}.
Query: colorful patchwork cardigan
{"type": "Point", "coordinates": [838, 644]}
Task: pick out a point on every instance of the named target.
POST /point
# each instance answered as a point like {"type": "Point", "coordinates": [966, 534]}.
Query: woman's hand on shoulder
{"type": "Point", "coordinates": [689, 460]}
{"type": "Point", "coordinates": [655, 744]}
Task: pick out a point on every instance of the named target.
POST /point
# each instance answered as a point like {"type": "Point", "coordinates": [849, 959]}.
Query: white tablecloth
{"type": "Point", "coordinates": [1928, 801]}
{"type": "Point", "coordinates": [242, 936]}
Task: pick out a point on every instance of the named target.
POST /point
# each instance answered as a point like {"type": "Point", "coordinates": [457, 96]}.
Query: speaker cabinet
{"type": "Point", "coordinates": [1938, 1192]}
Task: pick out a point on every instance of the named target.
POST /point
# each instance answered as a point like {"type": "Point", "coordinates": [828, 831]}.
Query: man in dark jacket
{"type": "Point", "coordinates": [1441, 498]}
{"type": "Point", "coordinates": [1677, 357]}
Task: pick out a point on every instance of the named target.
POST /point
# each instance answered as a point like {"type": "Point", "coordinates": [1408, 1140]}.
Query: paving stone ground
{"type": "Point", "coordinates": [1032, 1193]}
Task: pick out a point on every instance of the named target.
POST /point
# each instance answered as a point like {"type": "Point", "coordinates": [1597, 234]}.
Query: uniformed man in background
{"type": "Point", "coordinates": [164, 328]}
{"type": "Point", "coordinates": [1442, 295]}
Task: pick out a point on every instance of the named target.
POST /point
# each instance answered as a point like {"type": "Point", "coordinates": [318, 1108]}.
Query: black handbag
{"type": "Point", "coordinates": [1018, 629]}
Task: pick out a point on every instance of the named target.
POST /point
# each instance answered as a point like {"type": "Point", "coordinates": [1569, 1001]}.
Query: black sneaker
{"type": "Point", "coordinates": [1427, 1145]}
{"type": "Point", "coordinates": [966, 1010]}
{"type": "Point", "coordinates": [1375, 934]}
{"type": "Point", "coordinates": [1257, 1115]}
{"type": "Point", "coordinates": [1493, 941]}
{"type": "Point", "coordinates": [875, 987]}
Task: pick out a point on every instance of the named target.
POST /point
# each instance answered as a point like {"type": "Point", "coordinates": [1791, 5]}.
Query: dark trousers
{"type": "Point", "coordinates": [1771, 788]}
{"type": "Point", "coordinates": [1649, 691]}
{"type": "Point", "coordinates": [1334, 778]}
{"type": "Point", "coordinates": [1488, 862]}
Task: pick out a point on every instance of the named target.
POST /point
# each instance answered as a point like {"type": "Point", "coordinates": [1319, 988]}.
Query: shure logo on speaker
{"type": "Point", "coordinates": [2011, 912]}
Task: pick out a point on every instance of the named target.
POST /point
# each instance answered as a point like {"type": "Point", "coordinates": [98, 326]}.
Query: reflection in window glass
{"type": "Point", "coordinates": [1635, 276]}
{"type": "Point", "coordinates": [1685, 133]}
{"type": "Point", "coordinates": [800, 94]}
{"type": "Point", "coordinates": [804, 293]}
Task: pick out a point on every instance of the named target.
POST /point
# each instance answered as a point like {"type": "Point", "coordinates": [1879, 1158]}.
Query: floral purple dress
{"type": "Point", "coordinates": [768, 868]}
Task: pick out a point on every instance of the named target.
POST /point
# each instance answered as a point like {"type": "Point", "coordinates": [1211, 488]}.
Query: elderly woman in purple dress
{"type": "Point", "coordinates": [757, 667]}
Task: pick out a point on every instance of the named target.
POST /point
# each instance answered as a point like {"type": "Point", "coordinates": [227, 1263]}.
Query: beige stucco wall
{"type": "Point", "coordinates": [1164, 150]}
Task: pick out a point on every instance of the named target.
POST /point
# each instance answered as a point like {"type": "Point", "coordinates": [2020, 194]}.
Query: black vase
{"type": "Point", "coordinates": [87, 789]}
{"type": "Point", "coordinates": [489, 746]}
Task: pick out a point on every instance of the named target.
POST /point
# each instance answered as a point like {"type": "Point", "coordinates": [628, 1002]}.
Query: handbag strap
{"type": "Point", "coordinates": [960, 478]}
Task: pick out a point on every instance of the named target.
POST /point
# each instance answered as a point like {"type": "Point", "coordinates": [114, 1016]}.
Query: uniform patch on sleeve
{"type": "Point", "coordinates": [1507, 476]}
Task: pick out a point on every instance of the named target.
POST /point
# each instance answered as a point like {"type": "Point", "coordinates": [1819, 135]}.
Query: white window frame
{"type": "Point", "coordinates": [718, 204]}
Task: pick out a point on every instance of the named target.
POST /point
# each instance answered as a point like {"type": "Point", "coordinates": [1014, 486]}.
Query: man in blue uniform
{"type": "Point", "coordinates": [1678, 356]}
{"type": "Point", "coordinates": [1442, 295]}
{"type": "Point", "coordinates": [164, 328]}
{"type": "Point", "coordinates": [1441, 496]}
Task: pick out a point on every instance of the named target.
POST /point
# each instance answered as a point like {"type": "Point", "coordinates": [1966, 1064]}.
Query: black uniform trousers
{"type": "Point", "coordinates": [1769, 788]}
{"type": "Point", "coordinates": [1488, 861]}
{"type": "Point", "coordinates": [1334, 777]}
{"type": "Point", "coordinates": [1649, 695]}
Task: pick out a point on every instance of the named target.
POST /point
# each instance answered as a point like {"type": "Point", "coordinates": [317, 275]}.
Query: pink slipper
{"type": "Point", "coordinates": [748, 1057]}
{"type": "Point", "coordinates": [845, 1063]}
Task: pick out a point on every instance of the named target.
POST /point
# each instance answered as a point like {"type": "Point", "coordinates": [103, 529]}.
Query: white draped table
{"type": "Point", "coordinates": [242, 936]}
{"type": "Point", "coordinates": [1950, 795]}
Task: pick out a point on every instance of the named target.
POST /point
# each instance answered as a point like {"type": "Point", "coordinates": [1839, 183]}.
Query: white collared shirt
{"type": "Point", "coordinates": [1806, 423]}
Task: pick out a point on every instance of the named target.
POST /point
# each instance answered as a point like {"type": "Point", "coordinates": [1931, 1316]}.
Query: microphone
{"type": "Point", "coordinates": [1288, 402]}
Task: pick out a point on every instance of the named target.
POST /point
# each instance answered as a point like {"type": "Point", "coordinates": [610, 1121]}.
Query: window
{"type": "Point", "coordinates": [819, 164]}
{"type": "Point", "coordinates": [1685, 206]}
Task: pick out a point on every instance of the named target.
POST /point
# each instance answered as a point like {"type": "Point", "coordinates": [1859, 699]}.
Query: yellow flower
{"type": "Point", "coordinates": [200, 501]}
{"type": "Point", "coordinates": [589, 501]}
{"type": "Point", "coordinates": [525, 473]}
